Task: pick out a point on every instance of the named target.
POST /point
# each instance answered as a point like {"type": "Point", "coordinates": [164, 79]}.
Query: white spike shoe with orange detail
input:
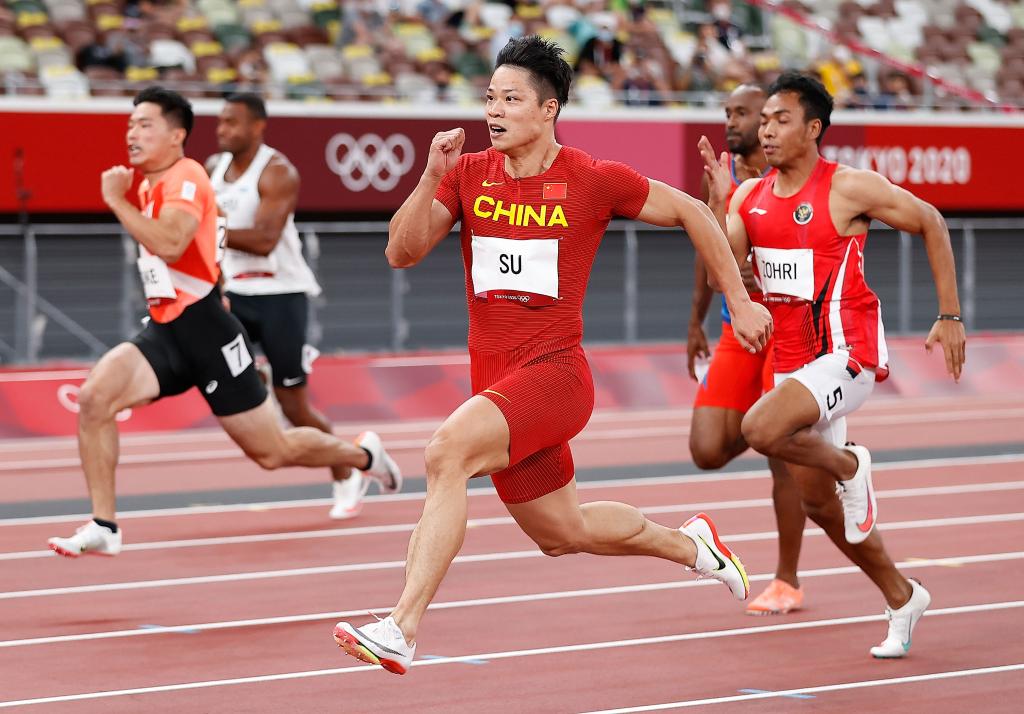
{"type": "Point", "coordinates": [714, 559]}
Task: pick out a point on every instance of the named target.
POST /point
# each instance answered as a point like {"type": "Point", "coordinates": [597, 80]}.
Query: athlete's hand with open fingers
{"type": "Point", "coordinates": [696, 348]}
{"type": "Point", "coordinates": [115, 182]}
{"type": "Point", "coordinates": [717, 171]}
{"type": "Point", "coordinates": [752, 325]}
{"type": "Point", "coordinates": [953, 338]}
{"type": "Point", "coordinates": [445, 150]}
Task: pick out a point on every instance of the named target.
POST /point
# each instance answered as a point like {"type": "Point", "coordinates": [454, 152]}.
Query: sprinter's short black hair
{"type": "Point", "coordinates": [173, 107]}
{"type": "Point", "coordinates": [814, 98]}
{"type": "Point", "coordinates": [254, 103]}
{"type": "Point", "coordinates": [550, 73]}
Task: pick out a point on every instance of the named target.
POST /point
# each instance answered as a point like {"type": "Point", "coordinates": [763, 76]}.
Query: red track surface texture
{"type": "Point", "coordinates": [231, 609]}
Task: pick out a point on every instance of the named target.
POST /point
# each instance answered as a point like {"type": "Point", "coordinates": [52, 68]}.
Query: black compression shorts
{"type": "Point", "coordinates": [205, 347]}
{"type": "Point", "coordinates": [278, 324]}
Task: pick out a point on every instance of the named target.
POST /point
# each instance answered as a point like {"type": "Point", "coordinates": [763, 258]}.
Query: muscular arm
{"type": "Point", "coordinates": [419, 225]}
{"type": "Point", "coordinates": [167, 236]}
{"type": "Point", "coordinates": [279, 193]}
{"type": "Point", "coordinates": [423, 221]}
{"type": "Point", "coordinates": [667, 207]}
{"type": "Point", "coordinates": [702, 292]}
{"type": "Point", "coordinates": [861, 194]}
{"type": "Point", "coordinates": [870, 194]}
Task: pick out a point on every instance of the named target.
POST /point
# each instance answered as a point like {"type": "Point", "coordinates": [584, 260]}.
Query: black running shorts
{"type": "Point", "coordinates": [205, 347]}
{"type": "Point", "coordinates": [277, 323]}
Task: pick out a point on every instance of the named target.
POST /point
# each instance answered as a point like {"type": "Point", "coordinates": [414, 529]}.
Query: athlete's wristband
{"type": "Point", "coordinates": [946, 316]}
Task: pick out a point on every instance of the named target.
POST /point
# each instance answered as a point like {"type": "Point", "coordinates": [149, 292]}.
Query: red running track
{"type": "Point", "coordinates": [246, 598]}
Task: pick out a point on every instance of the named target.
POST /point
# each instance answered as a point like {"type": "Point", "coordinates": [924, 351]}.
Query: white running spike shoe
{"type": "Point", "coordinates": [380, 642]}
{"type": "Point", "coordinates": [348, 496]}
{"type": "Point", "coordinates": [714, 559]}
{"type": "Point", "coordinates": [901, 624]}
{"type": "Point", "coordinates": [89, 539]}
{"type": "Point", "coordinates": [860, 508]}
{"type": "Point", "coordinates": [382, 468]}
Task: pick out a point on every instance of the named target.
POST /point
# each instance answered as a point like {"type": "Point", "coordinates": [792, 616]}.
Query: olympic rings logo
{"type": "Point", "coordinates": [370, 160]}
{"type": "Point", "coordinates": [67, 396]}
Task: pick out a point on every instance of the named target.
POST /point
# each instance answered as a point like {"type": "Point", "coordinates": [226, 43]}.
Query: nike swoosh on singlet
{"type": "Point", "coordinates": [758, 211]}
{"type": "Point", "coordinates": [721, 563]}
{"type": "Point", "coordinates": [487, 184]}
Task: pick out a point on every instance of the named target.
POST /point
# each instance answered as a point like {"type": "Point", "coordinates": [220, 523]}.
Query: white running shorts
{"type": "Point", "coordinates": [839, 385]}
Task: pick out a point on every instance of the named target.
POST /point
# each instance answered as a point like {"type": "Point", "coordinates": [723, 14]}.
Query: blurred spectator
{"type": "Point", "coordinates": [604, 49]}
{"type": "Point", "coordinates": [896, 92]}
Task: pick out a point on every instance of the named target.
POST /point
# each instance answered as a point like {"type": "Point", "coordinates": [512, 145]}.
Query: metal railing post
{"type": "Point", "coordinates": [630, 287]}
{"type": "Point", "coordinates": [399, 325]}
{"type": "Point", "coordinates": [129, 286]}
{"type": "Point", "coordinates": [27, 331]}
{"type": "Point", "coordinates": [311, 247]}
{"type": "Point", "coordinates": [906, 277]}
{"type": "Point", "coordinates": [969, 275]}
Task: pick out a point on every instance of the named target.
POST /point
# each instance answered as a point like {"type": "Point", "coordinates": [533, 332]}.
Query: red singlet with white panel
{"type": "Point", "coordinates": [813, 277]}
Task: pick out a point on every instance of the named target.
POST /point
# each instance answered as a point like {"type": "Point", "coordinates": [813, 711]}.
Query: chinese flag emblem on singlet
{"type": "Point", "coordinates": [555, 191]}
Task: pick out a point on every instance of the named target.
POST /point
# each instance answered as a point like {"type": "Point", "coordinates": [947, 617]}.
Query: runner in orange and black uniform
{"type": "Point", "coordinates": [191, 340]}
{"type": "Point", "coordinates": [533, 214]}
{"type": "Point", "coordinates": [735, 379]}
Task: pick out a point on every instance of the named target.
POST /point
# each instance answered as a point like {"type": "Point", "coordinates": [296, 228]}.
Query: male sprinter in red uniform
{"type": "Point", "coordinates": [190, 340]}
{"type": "Point", "coordinates": [736, 379]}
{"type": "Point", "coordinates": [533, 214]}
{"type": "Point", "coordinates": [807, 222]}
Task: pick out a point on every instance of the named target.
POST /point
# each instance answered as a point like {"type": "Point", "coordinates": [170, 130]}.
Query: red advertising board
{"type": "Point", "coordinates": [358, 388]}
{"type": "Point", "coordinates": [360, 158]}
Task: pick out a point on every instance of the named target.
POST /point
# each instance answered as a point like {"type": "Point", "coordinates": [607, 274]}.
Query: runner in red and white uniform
{"type": "Point", "coordinates": [533, 214]}
{"type": "Point", "coordinates": [190, 339]}
{"type": "Point", "coordinates": [807, 222]}
{"type": "Point", "coordinates": [735, 378]}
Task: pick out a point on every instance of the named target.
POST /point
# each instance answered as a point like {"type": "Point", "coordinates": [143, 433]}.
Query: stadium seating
{"type": "Point", "coordinates": [441, 50]}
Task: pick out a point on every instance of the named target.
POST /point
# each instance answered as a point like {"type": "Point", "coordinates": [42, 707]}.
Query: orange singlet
{"type": "Point", "coordinates": [185, 187]}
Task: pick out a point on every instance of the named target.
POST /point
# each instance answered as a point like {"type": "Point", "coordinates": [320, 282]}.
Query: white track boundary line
{"type": "Point", "coordinates": [623, 482]}
{"type": "Point", "coordinates": [477, 558]}
{"type": "Point", "coordinates": [600, 416]}
{"type": "Point", "coordinates": [234, 453]}
{"type": "Point", "coordinates": [507, 520]}
{"type": "Point", "coordinates": [491, 601]}
{"type": "Point", "coordinates": [515, 654]}
{"type": "Point", "coordinates": [950, 674]}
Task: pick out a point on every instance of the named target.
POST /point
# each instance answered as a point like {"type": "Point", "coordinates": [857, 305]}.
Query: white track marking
{"type": "Point", "coordinates": [753, 474]}
{"type": "Point", "coordinates": [508, 521]}
{"type": "Point", "coordinates": [590, 434]}
{"type": "Point", "coordinates": [490, 601]}
{"type": "Point", "coordinates": [477, 558]}
{"type": "Point", "coordinates": [516, 654]}
{"type": "Point", "coordinates": [951, 674]}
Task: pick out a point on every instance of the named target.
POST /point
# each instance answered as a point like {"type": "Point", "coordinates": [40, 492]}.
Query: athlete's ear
{"type": "Point", "coordinates": [815, 128]}
{"type": "Point", "coordinates": [551, 109]}
{"type": "Point", "coordinates": [180, 135]}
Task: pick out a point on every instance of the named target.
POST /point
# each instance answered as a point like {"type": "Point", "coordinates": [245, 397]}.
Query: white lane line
{"type": "Point", "coordinates": [625, 481]}
{"type": "Point", "coordinates": [515, 654]}
{"type": "Point", "coordinates": [490, 601]}
{"type": "Point", "coordinates": [589, 435]}
{"type": "Point", "coordinates": [951, 674]}
{"type": "Point", "coordinates": [478, 558]}
{"type": "Point", "coordinates": [507, 520]}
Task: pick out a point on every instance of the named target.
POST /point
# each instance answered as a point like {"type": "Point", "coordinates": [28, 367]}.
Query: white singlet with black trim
{"type": "Point", "coordinates": [284, 270]}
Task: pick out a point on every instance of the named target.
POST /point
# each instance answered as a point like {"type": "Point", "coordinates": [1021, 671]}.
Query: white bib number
{"type": "Point", "coordinates": [786, 271]}
{"type": "Point", "coordinates": [240, 265]}
{"type": "Point", "coordinates": [237, 356]}
{"type": "Point", "coordinates": [156, 279]}
{"type": "Point", "coordinates": [523, 271]}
